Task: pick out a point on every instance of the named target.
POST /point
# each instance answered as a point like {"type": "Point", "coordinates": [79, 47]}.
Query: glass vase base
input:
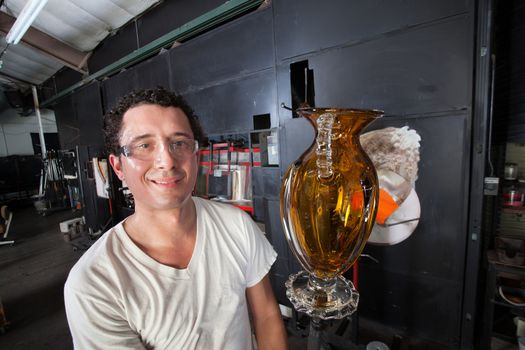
{"type": "Point", "coordinates": [337, 300]}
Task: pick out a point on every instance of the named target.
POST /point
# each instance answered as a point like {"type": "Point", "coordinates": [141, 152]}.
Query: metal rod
{"type": "Point", "coordinates": [286, 107]}
{"type": "Point", "coordinates": [400, 222]}
{"type": "Point", "coordinates": [79, 176]}
{"type": "Point", "coordinates": [39, 117]}
{"type": "Point", "coordinates": [306, 85]}
{"type": "Point", "coordinates": [5, 140]}
{"type": "Point", "coordinates": [314, 337]}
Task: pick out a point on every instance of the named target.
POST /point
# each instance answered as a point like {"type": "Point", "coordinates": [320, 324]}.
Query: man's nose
{"type": "Point", "coordinates": [164, 158]}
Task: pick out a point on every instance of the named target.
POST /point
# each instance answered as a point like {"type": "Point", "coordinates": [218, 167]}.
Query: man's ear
{"type": "Point", "coordinates": [116, 165]}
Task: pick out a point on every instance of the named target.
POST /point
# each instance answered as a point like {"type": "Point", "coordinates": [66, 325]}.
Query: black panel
{"type": "Point", "coordinates": [47, 89]}
{"type": "Point", "coordinates": [154, 72]}
{"type": "Point", "coordinates": [259, 212]}
{"type": "Point", "coordinates": [19, 174]}
{"type": "Point", "coordinates": [437, 246]}
{"type": "Point", "coordinates": [170, 15]}
{"type": "Point", "coordinates": [220, 113]}
{"type": "Point", "coordinates": [296, 137]}
{"type": "Point", "coordinates": [281, 267]}
{"type": "Point", "coordinates": [89, 113]}
{"type": "Point", "coordinates": [419, 306]}
{"type": "Point", "coordinates": [266, 182]}
{"type": "Point", "coordinates": [117, 86]}
{"type": "Point", "coordinates": [306, 26]}
{"type": "Point", "coordinates": [278, 282]}
{"type": "Point", "coordinates": [60, 81]}
{"type": "Point", "coordinates": [208, 58]}
{"type": "Point", "coordinates": [262, 121]}
{"type": "Point", "coordinates": [149, 74]}
{"type": "Point", "coordinates": [421, 71]}
{"type": "Point", "coordinates": [422, 272]}
{"type": "Point", "coordinates": [257, 182]}
{"type": "Point", "coordinates": [274, 231]}
{"type": "Point", "coordinates": [67, 123]}
{"type": "Point", "coordinates": [65, 78]}
{"type": "Point", "coordinates": [113, 48]}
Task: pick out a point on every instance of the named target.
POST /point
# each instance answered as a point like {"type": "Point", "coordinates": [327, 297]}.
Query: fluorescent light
{"type": "Point", "coordinates": [24, 20]}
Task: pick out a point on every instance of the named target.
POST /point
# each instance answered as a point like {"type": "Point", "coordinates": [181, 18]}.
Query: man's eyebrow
{"type": "Point", "coordinates": [147, 136]}
{"type": "Point", "coordinates": [140, 137]}
{"type": "Point", "coordinates": [181, 133]}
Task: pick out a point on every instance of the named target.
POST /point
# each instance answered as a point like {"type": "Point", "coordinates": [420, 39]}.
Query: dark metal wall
{"type": "Point", "coordinates": [229, 83]}
{"type": "Point", "coordinates": [67, 123]}
{"type": "Point", "coordinates": [413, 59]}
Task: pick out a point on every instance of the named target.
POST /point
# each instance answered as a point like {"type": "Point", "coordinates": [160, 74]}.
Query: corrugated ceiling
{"type": "Point", "coordinates": [80, 24]}
{"type": "Point", "coordinates": [26, 64]}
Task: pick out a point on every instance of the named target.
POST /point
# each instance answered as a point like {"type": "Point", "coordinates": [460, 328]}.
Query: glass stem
{"type": "Point", "coordinates": [321, 284]}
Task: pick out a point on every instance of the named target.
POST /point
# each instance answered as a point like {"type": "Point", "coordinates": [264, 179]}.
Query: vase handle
{"type": "Point", "coordinates": [325, 123]}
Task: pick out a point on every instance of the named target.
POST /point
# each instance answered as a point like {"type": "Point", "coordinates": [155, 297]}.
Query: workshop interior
{"type": "Point", "coordinates": [443, 264]}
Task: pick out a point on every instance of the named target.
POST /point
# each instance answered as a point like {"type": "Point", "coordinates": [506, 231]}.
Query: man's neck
{"type": "Point", "coordinates": [167, 236]}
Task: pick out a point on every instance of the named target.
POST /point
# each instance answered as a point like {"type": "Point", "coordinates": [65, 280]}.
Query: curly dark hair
{"type": "Point", "coordinates": [158, 96]}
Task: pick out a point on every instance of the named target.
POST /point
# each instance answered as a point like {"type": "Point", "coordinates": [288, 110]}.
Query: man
{"type": "Point", "coordinates": [181, 272]}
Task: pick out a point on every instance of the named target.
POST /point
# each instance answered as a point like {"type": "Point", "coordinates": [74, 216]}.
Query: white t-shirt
{"type": "Point", "coordinates": [117, 297]}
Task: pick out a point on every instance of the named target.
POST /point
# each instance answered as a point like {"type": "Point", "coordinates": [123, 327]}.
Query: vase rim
{"type": "Point", "coordinates": [372, 113]}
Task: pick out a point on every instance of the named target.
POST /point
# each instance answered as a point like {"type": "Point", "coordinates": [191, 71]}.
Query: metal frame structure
{"type": "Point", "coordinates": [479, 127]}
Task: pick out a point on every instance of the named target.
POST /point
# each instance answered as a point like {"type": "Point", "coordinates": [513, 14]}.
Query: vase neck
{"type": "Point", "coordinates": [347, 124]}
{"type": "Point", "coordinates": [332, 127]}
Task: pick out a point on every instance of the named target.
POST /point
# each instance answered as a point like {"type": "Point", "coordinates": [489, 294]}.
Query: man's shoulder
{"type": "Point", "coordinates": [226, 219]}
{"type": "Point", "coordinates": [212, 206]}
{"type": "Point", "coordinates": [95, 262]}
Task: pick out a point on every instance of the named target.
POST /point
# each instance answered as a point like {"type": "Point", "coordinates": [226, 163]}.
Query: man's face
{"type": "Point", "coordinates": [165, 180]}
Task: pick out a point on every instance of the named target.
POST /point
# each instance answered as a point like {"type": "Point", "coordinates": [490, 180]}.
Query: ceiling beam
{"type": "Point", "coordinates": [47, 45]}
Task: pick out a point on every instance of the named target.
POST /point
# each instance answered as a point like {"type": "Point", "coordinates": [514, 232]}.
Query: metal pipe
{"type": "Point", "coordinates": [39, 118]}
{"type": "Point", "coordinates": [315, 335]}
{"type": "Point", "coordinates": [5, 140]}
{"type": "Point", "coordinates": [79, 175]}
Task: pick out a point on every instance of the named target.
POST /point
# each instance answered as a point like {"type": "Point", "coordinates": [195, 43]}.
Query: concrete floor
{"type": "Point", "coordinates": [32, 276]}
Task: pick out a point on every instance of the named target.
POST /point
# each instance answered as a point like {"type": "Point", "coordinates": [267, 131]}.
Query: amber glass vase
{"type": "Point", "coordinates": [329, 201]}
